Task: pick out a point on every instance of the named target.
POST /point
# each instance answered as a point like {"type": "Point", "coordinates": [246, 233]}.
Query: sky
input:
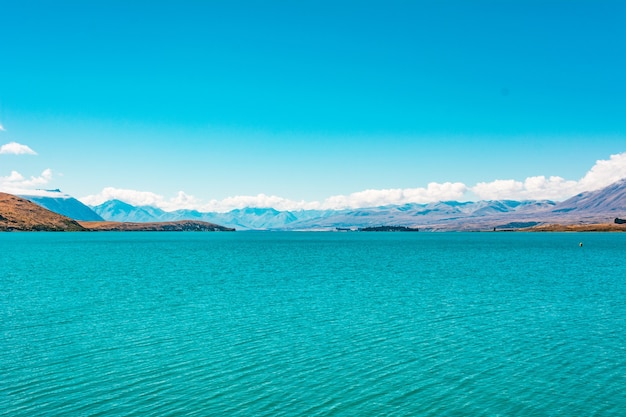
{"type": "Point", "coordinates": [215, 105]}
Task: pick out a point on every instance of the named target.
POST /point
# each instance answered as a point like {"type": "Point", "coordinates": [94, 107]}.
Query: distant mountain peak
{"type": "Point", "coordinates": [64, 204]}
{"type": "Point", "coordinates": [608, 203]}
{"type": "Point", "coordinates": [610, 199]}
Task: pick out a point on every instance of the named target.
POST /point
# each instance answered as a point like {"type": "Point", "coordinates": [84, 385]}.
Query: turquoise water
{"type": "Point", "coordinates": [312, 324]}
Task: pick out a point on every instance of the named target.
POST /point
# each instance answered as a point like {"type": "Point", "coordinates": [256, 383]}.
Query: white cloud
{"type": "Point", "coordinates": [16, 183]}
{"type": "Point", "coordinates": [372, 198]}
{"type": "Point", "coordinates": [497, 189]}
{"type": "Point", "coordinates": [367, 198]}
{"type": "Point", "coordinates": [16, 149]}
{"type": "Point", "coordinates": [260, 200]}
{"type": "Point", "coordinates": [603, 173]}
{"type": "Point", "coordinates": [533, 188]}
{"type": "Point", "coordinates": [134, 197]}
{"type": "Point", "coordinates": [13, 178]}
{"type": "Point", "coordinates": [186, 201]}
{"type": "Point", "coordinates": [2, 128]}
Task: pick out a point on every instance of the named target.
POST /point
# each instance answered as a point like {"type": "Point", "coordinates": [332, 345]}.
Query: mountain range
{"type": "Point", "coordinates": [20, 214]}
{"type": "Point", "coordinates": [600, 206]}
{"type": "Point", "coordinates": [590, 207]}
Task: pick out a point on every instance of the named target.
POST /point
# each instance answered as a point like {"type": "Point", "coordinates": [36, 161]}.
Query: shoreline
{"type": "Point", "coordinates": [592, 227]}
{"type": "Point", "coordinates": [173, 226]}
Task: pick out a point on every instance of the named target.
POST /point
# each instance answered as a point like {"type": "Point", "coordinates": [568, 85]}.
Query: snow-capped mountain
{"type": "Point", "coordinates": [61, 203]}
{"type": "Point", "coordinates": [421, 215]}
{"type": "Point", "coordinates": [611, 199]}
{"type": "Point", "coordinates": [594, 206]}
{"type": "Point", "coordinates": [119, 211]}
{"type": "Point", "coordinates": [241, 219]}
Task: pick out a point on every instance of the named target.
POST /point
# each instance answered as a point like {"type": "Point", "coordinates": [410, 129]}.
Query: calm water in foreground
{"type": "Point", "coordinates": [312, 324]}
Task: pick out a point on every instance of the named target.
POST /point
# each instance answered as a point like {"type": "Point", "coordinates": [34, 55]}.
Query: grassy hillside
{"type": "Point", "coordinates": [17, 213]}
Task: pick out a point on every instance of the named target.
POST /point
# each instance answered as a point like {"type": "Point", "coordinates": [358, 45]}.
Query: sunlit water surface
{"type": "Point", "coordinates": [312, 324]}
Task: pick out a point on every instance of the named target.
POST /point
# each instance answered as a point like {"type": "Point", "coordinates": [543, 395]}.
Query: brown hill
{"type": "Point", "coordinates": [20, 214]}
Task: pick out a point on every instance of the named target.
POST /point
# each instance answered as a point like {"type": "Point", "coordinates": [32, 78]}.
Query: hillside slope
{"type": "Point", "coordinates": [65, 205]}
{"type": "Point", "coordinates": [608, 200]}
{"type": "Point", "coordinates": [17, 213]}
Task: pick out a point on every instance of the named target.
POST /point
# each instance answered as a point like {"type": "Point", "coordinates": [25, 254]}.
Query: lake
{"type": "Point", "coordinates": [312, 324]}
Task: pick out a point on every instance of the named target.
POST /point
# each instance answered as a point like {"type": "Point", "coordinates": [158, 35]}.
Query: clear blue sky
{"type": "Point", "coordinates": [309, 99]}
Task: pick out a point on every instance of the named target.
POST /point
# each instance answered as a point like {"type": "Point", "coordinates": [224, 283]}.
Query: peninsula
{"type": "Point", "coordinates": [592, 227]}
{"type": "Point", "coordinates": [389, 229]}
{"type": "Point", "coordinates": [173, 226]}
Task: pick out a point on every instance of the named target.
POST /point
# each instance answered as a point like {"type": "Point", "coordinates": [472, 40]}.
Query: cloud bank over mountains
{"type": "Point", "coordinates": [16, 183]}
{"type": "Point", "coordinates": [603, 173]}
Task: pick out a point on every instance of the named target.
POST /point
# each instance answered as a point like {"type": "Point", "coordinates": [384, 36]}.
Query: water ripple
{"type": "Point", "coordinates": [312, 325]}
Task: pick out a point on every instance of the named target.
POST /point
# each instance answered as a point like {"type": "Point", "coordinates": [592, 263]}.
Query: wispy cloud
{"type": "Point", "coordinates": [603, 173]}
{"type": "Point", "coordinates": [2, 129]}
{"type": "Point", "coordinates": [16, 149]}
{"type": "Point", "coordinates": [16, 183]}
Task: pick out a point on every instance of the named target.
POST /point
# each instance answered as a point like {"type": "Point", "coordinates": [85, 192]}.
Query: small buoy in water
{"type": "Point", "coordinates": [580, 244]}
